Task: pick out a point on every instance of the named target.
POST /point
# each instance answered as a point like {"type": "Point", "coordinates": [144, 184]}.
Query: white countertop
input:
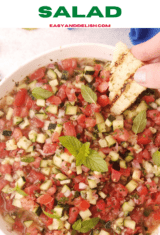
{"type": "Point", "coordinates": [19, 45]}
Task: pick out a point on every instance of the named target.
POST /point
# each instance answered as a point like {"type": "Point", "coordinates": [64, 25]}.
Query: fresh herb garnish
{"type": "Point", "coordinates": [88, 94]}
{"type": "Point", "coordinates": [156, 158]}
{"type": "Point", "coordinates": [27, 159]}
{"type": "Point", "coordinates": [20, 191]}
{"type": "Point", "coordinates": [85, 226]}
{"type": "Point", "coordinates": [83, 154]}
{"type": "Point", "coordinates": [53, 216]}
{"type": "Point", "coordinates": [40, 93]}
{"type": "Point", "coordinates": [139, 122]}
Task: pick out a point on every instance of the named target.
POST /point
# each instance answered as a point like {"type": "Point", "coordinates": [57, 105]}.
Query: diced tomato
{"type": "Point", "coordinates": [27, 203]}
{"type": "Point", "coordinates": [36, 163]}
{"type": "Point", "coordinates": [157, 139]}
{"type": "Point", "coordinates": [48, 87]}
{"type": "Point", "coordinates": [136, 215]}
{"type": "Point", "coordinates": [90, 122]}
{"type": "Point", "coordinates": [148, 98]}
{"type": "Point", "coordinates": [69, 64]}
{"type": "Point", "coordinates": [18, 226]}
{"type": "Point", "coordinates": [156, 215]}
{"type": "Point", "coordinates": [54, 100]}
{"type": "Point", "coordinates": [152, 114]}
{"type": "Point", "coordinates": [143, 190]}
{"type": "Point", "coordinates": [121, 135]}
{"type": "Point", "coordinates": [45, 199]}
{"type": "Point", "coordinates": [62, 92]}
{"type": "Point", "coordinates": [35, 176]}
{"type": "Point", "coordinates": [157, 119]}
{"type": "Point", "coordinates": [103, 100]}
{"type": "Point", "coordinates": [105, 74]}
{"type": "Point", "coordinates": [55, 137]}
{"type": "Point", "coordinates": [31, 189]}
{"type": "Point", "coordinates": [3, 183]}
{"type": "Point", "coordinates": [103, 87]}
{"type": "Point", "coordinates": [2, 124]}
{"type": "Point", "coordinates": [91, 109]}
{"type": "Point", "coordinates": [81, 120]}
{"type": "Point", "coordinates": [84, 205]}
{"type": "Point", "coordinates": [115, 175]}
{"type": "Point", "coordinates": [125, 172]}
{"type": "Point", "coordinates": [32, 230]}
{"type": "Point", "coordinates": [73, 213]}
{"type": "Point", "coordinates": [24, 112]}
{"type": "Point", "coordinates": [17, 134]}
{"type": "Point", "coordinates": [20, 97]}
{"type": "Point", "coordinates": [50, 148]}
{"type": "Point", "coordinates": [152, 187]}
{"type": "Point", "coordinates": [85, 169]}
{"type": "Point", "coordinates": [3, 152]}
{"type": "Point", "coordinates": [101, 205]}
{"type": "Point", "coordinates": [51, 191]}
{"type": "Point", "coordinates": [71, 94]}
{"type": "Point", "coordinates": [157, 198]}
{"type": "Point", "coordinates": [38, 74]}
{"type": "Point", "coordinates": [150, 123]}
{"type": "Point", "coordinates": [145, 137]}
{"type": "Point", "coordinates": [5, 169]}
{"type": "Point", "coordinates": [121, 190]}
{"type": "Point", "coordinates": [97, 69]}
{"type": "Point", "coordinates": [69, 129]}
{"type": "Point", "coordinates": [144, 154]}
{"type": "Point", "coordinates": [35, 122]}
{"type": "Point", "coordinates": [29, 102]}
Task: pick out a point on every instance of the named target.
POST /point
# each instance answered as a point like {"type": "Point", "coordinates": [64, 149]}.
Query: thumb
{"type": "Point", "coordinates": [148, 76]}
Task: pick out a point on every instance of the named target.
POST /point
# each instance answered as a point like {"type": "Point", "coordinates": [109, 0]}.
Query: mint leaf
{"type": "Point", "coordinates": [77, 225]}
{"type": "Point", "coordinates": [83, 153]}
{"type": "Point", "coordinates": [95, 162]}
{"type": "Point", "coordinates": [71, 143]}
{"type": "Point", "coordinates": [20, 191]}
{"type": "Point", "coordinates": [27, 159]}
{"type": "Point", "coordinates": [53, 216]}
{"type": "Point", "coordinates": [87, 225]}
{"type": "Point", "coordinates": [88, 94]}
{"type": "Point", "coordinates": [156, 158]}
{"type": "Point", "coordinates": [139, 122]}
{"type": "Point", "coordinates": [40, 93]}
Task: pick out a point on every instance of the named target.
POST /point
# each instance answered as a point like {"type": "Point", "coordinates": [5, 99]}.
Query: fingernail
{"type": "Point", "coordinates": [140, 77]}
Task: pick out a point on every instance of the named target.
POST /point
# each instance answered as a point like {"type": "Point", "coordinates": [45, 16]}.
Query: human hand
{"type": "Point", "coordinates": [148, 52]}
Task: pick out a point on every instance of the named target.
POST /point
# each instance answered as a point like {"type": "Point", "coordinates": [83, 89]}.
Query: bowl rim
{"type": "Point", "coordinates": [39, 55]}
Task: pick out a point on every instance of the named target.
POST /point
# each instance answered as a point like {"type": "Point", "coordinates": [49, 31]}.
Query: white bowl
{"type": "Point", "coordinates": [90, 50]}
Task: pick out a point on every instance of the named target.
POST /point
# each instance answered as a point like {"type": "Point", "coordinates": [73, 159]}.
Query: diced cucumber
{"type": "Point", "coordinates": [41, 138]}
{"type": "Point", "coordinates": [24, 143]}
{"type": "Point", "coordinates": [41, 116]}
{"type": "Point", "coordinates": [8, 177]}
{"type": "Point", "coordinates": [124, 144]}
{"type": "Point", "coordinates": [58, 73]}
{"type": "Point", "coordinates": [128, 223]}
{"type": "Point", "coordinates": [122, 164]}
{"type": "Point", "coordinates": [137, 148]}
{"type": "Point", "coordinates": [52, 109]}
{"type": "Point", "coordinates": [99, 118]}
{"type": "Point", "coordinates": [92, 183]}
{"type": "Point", "coordinates": [17, 120]}
{"type": "Point", "coordinates": [46, 185]}
{"type": "Point", "coordinates": [131, 186]}
{"type": "Point", "coordinates": [101, 127]}
{"type": "Point", "coordinates": [44, 163]}
{"type": "Point", "coordinates": [58, 211]}
{"type": "Point", "coordinates": [1, 113]}
{"type": "Point", "coordinates": [17, 203]}
{"type": "Point", "coordinates": [126, 207]}
{"type": "Point", "coordinates": [51, 74]}
{"type": "Point", "coordinates": [58, 128]}
{"type": "Point", "coordinates": [85, 214]}
{"type": "Point", "coordinates": [102, 143]}
{"type": "Point", "coordinates": [7, 189]}
{"type": "Point", "coordinates": [9, 100]}
{"type": "Point", "coordinates": [129, 114]}
{"type": "Point", "coordinates": [79, 170]}
{"type": "Point", "coordinates": [158, 101]}
{"type": "Point", "coordinates": [54, 83]}
{"type": "Point", "coordinates": [57, 161]}
{"type": "Point", "coordinates": [9, 114]}
{"type": "Point", "coordinates": [102, 194]}
{"type": "Point", "coordinates": [129, 158]}
{"type": "Point", "coordinates": [118, 123]}
{"type": "Point", "coordinates": [65, 189]}
{"type": "Point", "coordinates": [41, 102]}
{"type": "Point", "coordinates": [79, 84]}
{"type": "Point", "coordinates": [61, 176]}
{"type": "Point", "coordinates": [28, 223]}
{"type": "Point", "coordinates": [136, 174]}
{"type": "Point", "coordinates": [31, 113]}
{"type": "Point", "coordinates": [37, 210]}
{"type": "Point", "coordinates": [9, 219]}
{"type": "Point", "coordinates": [20, 182]}
{"type": "Point", "coordinates": [89, 78]}
{"type": "Point", "coordinates": [68, 181]}
{"type": "Point", "coordinates": [32, 85]}
{"type": "Point", "coordinates": [65, 157]}
{"type": "Point", "coordinates": [119, 222]}
{"type": "Point", "coordinates": [67, 226]}
{"type": "Point", "coordinates": [110, 140]}
{"type": "Point", "coordinates": [142, 107]}
{"type": "Point", "coordinates": [11, 144]}
{"type": "Point", "coordinates": [32, 135]}
{"type": "Point", "coordinates": [46, 170]}
{"type": "Point", "coordinates": [114, 156]}
{"type": "Point", "coordinates": [101, 154]}
{"type": "Point", "coordinates": [56, 225]}
{"type": "Point", "coordinates": [71, 110]}
{"type": "Point", "coordinates": [24, 124]}
{"type": "Point", "coordinates": [109, 120]}
{"type": "Point", "coordinates": [89, 70]}
{"type": "Point", "coordinates": [103, 232]}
